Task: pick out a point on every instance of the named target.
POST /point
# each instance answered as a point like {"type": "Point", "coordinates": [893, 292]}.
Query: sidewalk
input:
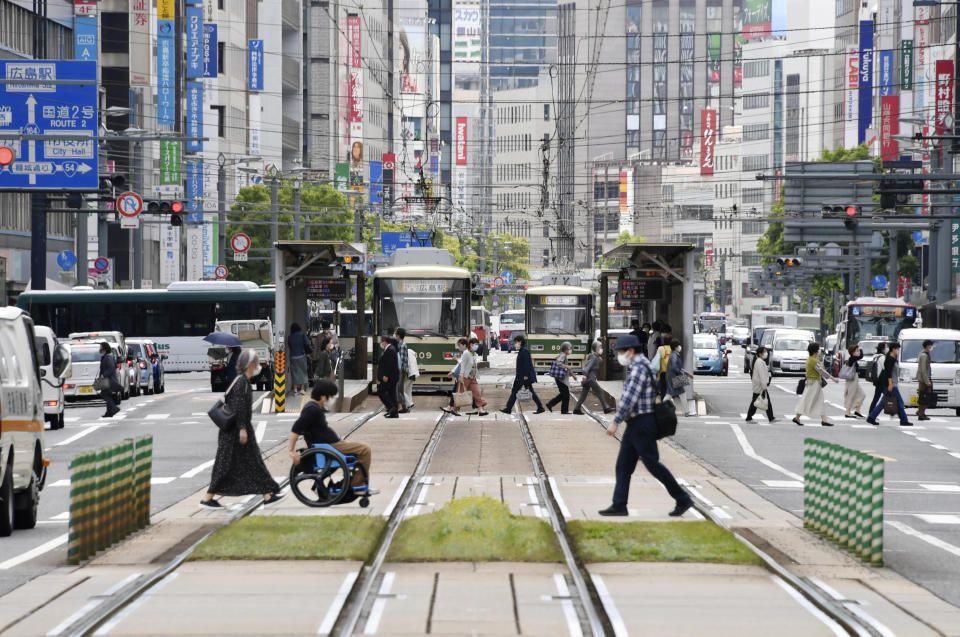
{"type": "Point", "coordinates": [485, 456]}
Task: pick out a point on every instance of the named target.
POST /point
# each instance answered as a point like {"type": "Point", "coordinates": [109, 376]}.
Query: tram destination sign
{"type": "Point", "coordinates": [632, 292]}
{"type": "Point", "coordinates": [331, 289]}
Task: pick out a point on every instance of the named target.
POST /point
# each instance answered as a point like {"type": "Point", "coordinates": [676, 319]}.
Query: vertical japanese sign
{"type": "Point", "coordinates": [944, 95]}
{"type": "Point", "coordinates": [757, 19]}
{"type": "Point", "coordinates": [886, 73]}
{"type": "Point", "coordinates": [209, 63]}
{"type": "Point", "coordinates": [169, 254]}
{"type": "Point", "coordinates": [194, 116]}
{"type": "Point", "coordinates": [140, 31]}
{"type": "Point", "coordinates": [889, 126]}
{"type": "Point", "coordinates": [460, 170]}
{"type": "Point", "coordinates": [738, 41]}
{"type": "Point", "coordinates": [254, 110]}
{"type": "Point", "coordinates": [341, 177]}
{"type": "Point", "coordinates": [626, 201]}
{"type": "Point", "coordinates": [955, 246]}
{"type": "Point", "coordinates": [921, 56]}
{"type": "Point", "coordinates": [166, 63]}
{"type": "Point", "coordinates": [708, 140]}
{"type": "Point", "coordinates": [865, 89]}
{"type": "Point", "coordinates": [194, 42]}
{"type": "Point", "coordinates": [389, 166]}
{"type": "Point", "coordinates": [85, 39]}
{"type": "Point", "coordinates": [852, 82]}
{"type": "Point", "coordinates": [255, 65]}
{"type": "Point", "coordinates": [169, 162]}
{"type": "Point", "coordinates": [906, 65]}
{"type": "Point", "coordinates": [194, 192]}
{"type": "Point", "coordinates": [376, 182]}
{"type": "Point", "coordinates": [354, 80]}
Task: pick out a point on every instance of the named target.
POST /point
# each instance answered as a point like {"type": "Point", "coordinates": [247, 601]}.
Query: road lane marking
{"type": "Point", "coordinates": [573, 622]}
{"type": "Point", "coordinates": [260, 429]}
{"type": "Point", "coordinates": [396, 496]}
{"type": "Point", "coordinates": [783, 484]}
{"type": "Point", "coordinates": [564, 511]}
{"type": "Point", "coordinates": [161, 480]}
{"type": "Point", "coordinates": [425, 483]}
{"type": "Point", "coordinates": [338, 600]}
{"type": "Point", "coordinates": [852, 606]}
{"type": "Point", "coordinates": [695, 492]}
{"type": "Point", "coordinates": [933, 518]}
{"type": "Point", "coordinates": [157, 416]}
{"type": "Point", "coordinates": [61, 516]}
{"type": "Point", "coordinates": [78, 436]}
{"type": "Point", "coordinates": [616, 621]}
{"type": "Point", "coordinates": [119, 617]}
{"type": "Point", "coordinates": [35, 552]}
{"type": "Point", "coordinates": [376, 613]}
{"type": "Point", "coordinates": [198, 469]}
{"type": "Point", "coordinates": [834, 627]}
{"type": "Point", "coordinates": [929, 539]}
{"type": "Point", "coordinates": [93, 603]}
{"type": "Point", "coordinates": [748, 451]}
{"type": "Point", "coordinates": [60, 483]}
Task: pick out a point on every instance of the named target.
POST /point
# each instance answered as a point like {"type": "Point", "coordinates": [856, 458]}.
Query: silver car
{"type": "Point", "coordinates": [85, 368]}
{"type": "Point", "coordinates": [788, 350]}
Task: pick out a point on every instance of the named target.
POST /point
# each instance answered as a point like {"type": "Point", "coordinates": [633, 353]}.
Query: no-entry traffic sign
{"type": "Point", "coordinates": [221, 272]}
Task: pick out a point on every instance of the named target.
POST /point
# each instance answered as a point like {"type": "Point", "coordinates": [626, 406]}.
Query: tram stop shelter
{"type": "Point", "coordinates": [657, 279]}
{"type": "Point", "coordinates": [320, 270]}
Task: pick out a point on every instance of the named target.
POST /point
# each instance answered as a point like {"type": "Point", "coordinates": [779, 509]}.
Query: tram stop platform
{"type": "Point", "coordinates": [485, 456]}
{"type": "Point", "coordinates": [355, 392]}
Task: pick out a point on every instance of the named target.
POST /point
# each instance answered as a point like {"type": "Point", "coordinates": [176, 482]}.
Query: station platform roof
{"type": "Point", "coordinates": [663, 256]}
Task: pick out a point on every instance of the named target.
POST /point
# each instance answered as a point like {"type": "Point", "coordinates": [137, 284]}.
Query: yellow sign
{"type": "Point", "coordinates": [165, 10]}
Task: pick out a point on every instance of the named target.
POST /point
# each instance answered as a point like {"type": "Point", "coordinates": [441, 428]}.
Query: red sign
{"type": "Point", "coordinates": [221, 272]}
{"type": "Point", "coordinates": [708, 140]}
{"type": "Point", "coordinates": [355, 63]}
{"type": "Point", "coordinates": [889, 126]}
{"type": "Point", "coordinates": [129, 204]}
{"type": "Point", "coordinates": [85, 8]}
{"type": "Point", "coordinates": [461, 141]}
{"type": "Point", "coordinates": [944, 96]}
{"type": "Point", "coordinates": [240, 242]}
{"type": "Point", "coordinates": [389, 165]}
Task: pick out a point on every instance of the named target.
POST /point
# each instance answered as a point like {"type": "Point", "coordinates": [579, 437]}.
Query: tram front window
{"type": "Point", "coordinates": [423, 307]}
{"type": "Point", "coordinates": [558, 320]}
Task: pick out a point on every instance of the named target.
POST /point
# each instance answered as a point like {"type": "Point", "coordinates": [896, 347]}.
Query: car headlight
{"type": "Point", "coordinates": [714, 356]}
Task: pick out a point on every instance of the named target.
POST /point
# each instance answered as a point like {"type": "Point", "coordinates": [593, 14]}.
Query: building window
{"type": "Point", "coordinates": [748, 259]}
{"type": "Point", "coordinates": [757, 100]}
{"type": "Point", "coordinates": [221, 54]}
{"type": "Point", "coordinates": [221, 112]}
{"type": "Point", "coordinates": [613, 190]}
{"type": "Point", "coordinates": [666, 193]}
{"type": "Point", "coordinates": [753, 163]}
{"type": "Point", "coordinates": [546, 257]}
{"type": "Point", "coordinates": [756, 68]}
{"type": "Point", "coordinates": [546, 112]}
{"type": "Point", "coordinates": [753, 195]}
{"type": "Point", "coordinates": [755, 132]}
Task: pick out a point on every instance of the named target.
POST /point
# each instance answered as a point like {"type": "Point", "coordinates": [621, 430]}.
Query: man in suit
{"type": "Point", "coordinates": [526, 375]}
{"type": "Point", "coordinates": [108, 375]}
{"type": "Point", "coordinates": [388, 373]}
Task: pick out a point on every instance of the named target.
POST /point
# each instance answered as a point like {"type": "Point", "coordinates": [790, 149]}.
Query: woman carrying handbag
{"type": "Point", "coordinates": [853, 395]}
{"type": "Point", "coordinates": [677, 379]}
{"type": "Point", "coordinates": [811, 401]}
{"type": "Point", "coordinates": [238, 468]}
{"type": "Point", "coordinates": [760, 379]}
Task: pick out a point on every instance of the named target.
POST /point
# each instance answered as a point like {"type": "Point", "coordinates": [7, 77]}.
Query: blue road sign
{"type": "Point", "coordinates": [166, 67]}
{"type": "Point", "coordinates": [879, 282]}
{"type": "Point", "coordinates": [496, 299]}
{"type": "Point", "coordinates": [507, 276]}
{"type": "Point", "coordinates": [918, 237]}
{"type": "Point", "coordinates": [520, 300]}
{"type": "Point", "coordinates": [85, 39]}
{"type": "Point", "coordinates": [390, 242]}
{"type": "Point", "coordinates": [40, 106]}
{"type": "Point", "coordinates": [66, 260]}
{"type": "Point", "coordinates": [255, 65]}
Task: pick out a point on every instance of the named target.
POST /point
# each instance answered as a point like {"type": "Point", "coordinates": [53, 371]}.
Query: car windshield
{"type": "Point", "coordinates": [705, 342]}
{"type": "Point", "coordinates": [740, 332]}
{"type": "Point", "coordinates": [85, 354]}
{"type": "Point", "coordinates": [942, 352]}
{"type": "Point", "coordinates": [511, 319]}
{"type": "Point", "coordinates": [136, 350]}
{"type": "Point", "coordinates": [791, 344]}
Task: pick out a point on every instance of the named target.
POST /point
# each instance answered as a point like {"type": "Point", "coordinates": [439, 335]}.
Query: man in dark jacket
{"type": "Point", "coordinates": [526, 375]}
{"type": "Point", "coordinates": [388, 373]}
{"type": "Point", "coordinates": [109, 377]}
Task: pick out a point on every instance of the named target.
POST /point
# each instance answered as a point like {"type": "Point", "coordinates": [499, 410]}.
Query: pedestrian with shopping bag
{"type": "Point", "coordinates": [874, 370]}
{"type": "Point", "coordinates": [760, 382]}
{"type": "Point", "coordinates": [853, 395]}
{"type": "Point", "coordinates": [889, 380]}
{"type": "Point", "coordinates": [468, 375]}
{"type": "Point", "coordinates": [677, 378]}
{"type": "Point", "coordinates": [525, 377]}
{"type": "Point", "coordinates": [108, 380]}
{"type": "Point", "coordinates": [560, 370]}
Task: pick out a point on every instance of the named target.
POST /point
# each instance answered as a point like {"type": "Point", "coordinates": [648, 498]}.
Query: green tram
{"type": "Point", "coordinates": [558, 313]}
{"type": "Point", "coordinates": [424, 293]}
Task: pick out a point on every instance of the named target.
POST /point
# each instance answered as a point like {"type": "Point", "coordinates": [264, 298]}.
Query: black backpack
{"type": "Point", "coordinates": [873, 371]}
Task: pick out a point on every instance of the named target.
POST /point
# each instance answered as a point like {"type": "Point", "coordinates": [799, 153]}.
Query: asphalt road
{"type": "Point", "coordinates": [184, 443]}
{"type": "Point", "coordinates": [922, 468]}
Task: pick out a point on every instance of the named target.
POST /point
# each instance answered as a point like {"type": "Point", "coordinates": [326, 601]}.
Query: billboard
{"type": "Point", "coordinates": [708, 140]}
{"type": "Point", "coordinates": [865, 75]}
{"type": "Point", "coordinates": [166, 69]}
{"type": "Point", "coordinates": [851, 82]}
{"type": "Point", "coordinates": [376, 182]}
{"type": "Point", "coordinates": [354, 82]}
{"type": "Point", "coordinates": [906, 65]}
{"type": "Point", "coordinates": [889, 126]}
{"type": "Point", "coordinates": [389, 166]}
{"type": "Point", "coordinates": [944, 95]}
{"type": "Point", "coordinates": [757, 18]}
{"type": "Point", "coordinates": [461, 148]}
{"type": "Point", "coordinates": [467, 43]}
{"type": "Point", "coordinates": [412, 58]}
{"type": "Point", "coordinates": [626, 201]}
{"type": "Point", "coordinates": [194, 53]}
{"type": "Point", "coordinates": [886, 73]}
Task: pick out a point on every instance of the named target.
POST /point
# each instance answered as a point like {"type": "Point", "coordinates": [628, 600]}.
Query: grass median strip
{"type": "Point", "coordinates": [335, 537]}
{"type": "Point", "coordinates": [657, 542]}
{"type": "Point", "coordinates": [474, 529]}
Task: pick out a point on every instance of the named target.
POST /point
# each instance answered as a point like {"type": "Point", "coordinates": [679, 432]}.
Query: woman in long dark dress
{"type": "Point", "coordinates": [238, 468]}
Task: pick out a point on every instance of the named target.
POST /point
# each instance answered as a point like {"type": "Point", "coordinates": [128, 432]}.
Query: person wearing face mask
{"type": "Point", "coordinates": [525, 377]}
{"type": "Point", "coordinates": [388, 373]}
{"type": "Point", "coordinates": [677, 378]}
{"type": "Point", "coordinates": [468, 375]}
{"type": "Point", "coordinates": [589, 383]}
{"type": "Point", "coordinates": [760, 379]}
{"type": "Point", "coordinates": [455, 375]}
{"type": "Point", "coordinates": [324, 363]}
{"type": "Point", "coordinates": [560, 370]}
{"type": "Point", "coordinates": [636, 408]}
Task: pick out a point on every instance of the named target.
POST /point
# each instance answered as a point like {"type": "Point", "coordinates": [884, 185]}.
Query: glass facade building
{"type": "Point", "coordinates": [522, 40]}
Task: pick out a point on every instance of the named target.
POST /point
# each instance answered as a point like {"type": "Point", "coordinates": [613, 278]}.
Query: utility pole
{"type": "Point", "coordinates": [357, 223]}
{"type": "Point", "coordinates": [892, 272]}
{"type": "Point", "coordinates": [296, 209]}
{"type": "Point", "coordinates": [82, 266]}
{"type": "Point", "coordinates": [275, 213]}
{"type": "Point", "coordinates": [137, 186]}
{"type": "Point", "coordinates": [222, 210]}
{"type": "Point", "coordinates": [38, 241]}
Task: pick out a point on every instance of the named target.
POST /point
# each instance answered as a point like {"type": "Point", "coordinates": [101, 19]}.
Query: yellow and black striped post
{"type": "Point", "coordinates": [280, 383]}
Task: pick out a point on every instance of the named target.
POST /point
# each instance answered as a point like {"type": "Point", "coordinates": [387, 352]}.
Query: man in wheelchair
{"type": "Point", "coordinates": [312, 425]}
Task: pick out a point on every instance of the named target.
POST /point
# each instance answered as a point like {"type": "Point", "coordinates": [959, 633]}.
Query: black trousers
{"type": "Point", "coordinates": [518, 383]}
{"type": "Point", "coordinates": [107, 396]}
{"type": "Point", "coordinates": [388, 396]}
{"type": "Point", "coordinates": [563, 397]}
{"type": "Point", "coordinates": [752, 409]}
{"type": "Point", "coordinates": [877, 395]}
{"type": "Point", "coordinates": [640, 443]}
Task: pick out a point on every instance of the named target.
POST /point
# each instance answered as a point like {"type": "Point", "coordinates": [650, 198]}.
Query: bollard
{"type": "Point", "coordinates": [280, 383]}
{"type": "Point", "coordinates": [144, 469]}
{"type": "Point", "coordinates": [83, 472]}
{"type": "Point", "coordinates": [876, 513]}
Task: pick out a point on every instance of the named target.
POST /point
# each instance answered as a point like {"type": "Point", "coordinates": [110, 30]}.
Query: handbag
{"type": "Point", "coordinates": [801, 385]}
{"type": "Point", "coordinates": [221, 415]}
{"type": "Point", "coordinates": [847, 372]}
{"type": "Point", "coordinates": [557, 371]}
{"type": "Point", "coordinates": [890, 406]}
{"type": "Point", "coordinates": [524, 395]}
{"type": "Point", "coordinates": [99, 384]}
{"type": "Point", "coordinates": [823, 383]}
{"type": "Point", "coordinates": [762, 402]}
{"type": "Point", "coordinates": [927, 398]}
{"type": "Point", "coordinates": [680, 381]}
{"type": "Point", "coordinates": [462, 399]}
{"type": "Point", "coordinates": [665, 413]}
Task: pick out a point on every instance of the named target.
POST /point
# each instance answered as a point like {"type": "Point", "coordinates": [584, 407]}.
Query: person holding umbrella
{"type": "Point", "coordinates": [234, 346]}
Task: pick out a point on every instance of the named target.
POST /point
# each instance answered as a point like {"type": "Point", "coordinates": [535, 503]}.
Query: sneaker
{"type": "Point", "coordinates": [613, 511]}
{"type": "Point", "coordinates": [274, 497]}
{"type": "Point", "coordinates": [210, 504]}
{"type": "Point", "coordinates": [906, 423]}
{"type": "Point", "coordinates": [681, 508]}
{"type": "Point", "coordinates": [540, 411]}
{"type": "Point", "coordinates": [748, 420]}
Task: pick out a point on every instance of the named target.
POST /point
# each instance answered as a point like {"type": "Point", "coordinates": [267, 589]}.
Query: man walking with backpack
{"type": "Point", "coordinates": [873, 373]}
{"type": "Point", "coordinates": [889, 381]}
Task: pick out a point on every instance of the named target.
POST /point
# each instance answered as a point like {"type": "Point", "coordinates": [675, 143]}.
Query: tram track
{"type": "Point", "coordinates": [821, 600]}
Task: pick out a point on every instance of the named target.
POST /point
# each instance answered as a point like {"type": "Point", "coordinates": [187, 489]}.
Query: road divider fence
{"type": "Point", "coordinates": [843, 498]}
{"type": "Point", "coordinates": [109, 496]}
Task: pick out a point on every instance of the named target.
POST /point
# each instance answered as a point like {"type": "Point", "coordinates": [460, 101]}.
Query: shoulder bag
{"type": "Point", "coordinates": [665, 414]}
{"type": "Point", "coordinates": [557, 371]}
{"type": "Point", "coordinates": [801, 385]}
{"type": "Point", "coordinates": [99, 384]}
{"type": "Point", "coordinates": [847, 372]}
{"type": "Point", "coordinates": [762, 402]}
{"type": "Point", "coordinates": [221, 415]}
{"type": "Point", "coordinates": [680, 381]}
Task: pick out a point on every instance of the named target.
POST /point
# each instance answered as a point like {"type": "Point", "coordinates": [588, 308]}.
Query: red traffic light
{"type": "Point", "coordinates": [176, 207]}
{"type": "Point", "coordinates": [6, 156]}
{"type": "Point", "coordinates": [851, 211]}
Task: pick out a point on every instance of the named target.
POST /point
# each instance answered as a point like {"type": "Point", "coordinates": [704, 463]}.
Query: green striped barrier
{"type": "Point", "coordinates": [109, 496]}
{"type": "Point", "coordinates": [843, 498]}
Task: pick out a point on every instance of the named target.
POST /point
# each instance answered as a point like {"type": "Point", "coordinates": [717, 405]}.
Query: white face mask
{"type": "Point", "coordinates": [475, 347]}
{"type": "Point", "coordinates": [679, 349]}
{"type": "Point", "coordinates": [624, 358]}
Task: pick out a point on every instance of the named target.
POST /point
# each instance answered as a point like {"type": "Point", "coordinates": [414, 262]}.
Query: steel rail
{"type": "Point", "coordinates": [92, 621]}
{"type": "Point", "coordinates": [837, 613]}
{"type": "Point", "coordinates": [597, 619]}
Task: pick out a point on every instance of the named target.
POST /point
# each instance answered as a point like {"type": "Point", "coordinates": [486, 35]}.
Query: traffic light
{"type": "Point", "coordinates": [6, 156]}
{"type": "Point", "coordinates": [165, 207]}
{"type": "Point", "coordinates": [111, 185]}
{"type": "Point", "coordinates": [892, 195]}
{"type": "Point", "coordinates": [789, 262]}
{"type": "Point", "coordinates": [852, 212]}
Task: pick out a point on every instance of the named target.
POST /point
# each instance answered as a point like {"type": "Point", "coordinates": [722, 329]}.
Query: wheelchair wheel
{"type": "Point", "coordinates": [364, 502]}
{"type": "Point", "coordinates": [324, 483]}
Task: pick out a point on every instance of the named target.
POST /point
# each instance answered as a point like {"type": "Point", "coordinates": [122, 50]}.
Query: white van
{"type": "Point", "coordinates": [46, 344]}
{"type": "Point", "coordinates": [944, 365]}
{"type": "Point", "coordinates": [23, 468]}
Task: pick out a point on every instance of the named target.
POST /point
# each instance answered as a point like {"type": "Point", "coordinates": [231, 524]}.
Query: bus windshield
{"type": "Point", "coordinates": [942, 352]}
{"type": "Point", "coordinates": [511, 318]}
{"type": "Point", "coordinates": [558, 320]}
{"type": "Point", "coordinates": [715, 324]}
{"type": "Point", "coordinates": [867, 322]}
{"type": "Point", "coordinates": [424, 307]}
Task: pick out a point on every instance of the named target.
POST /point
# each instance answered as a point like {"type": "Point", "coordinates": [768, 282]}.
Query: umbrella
{"type": "Point", "coordinates": [222, 338]}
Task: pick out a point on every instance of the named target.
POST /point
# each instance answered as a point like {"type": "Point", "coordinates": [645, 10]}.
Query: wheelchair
{"type": "Point", "coordinates": [326, 477]}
